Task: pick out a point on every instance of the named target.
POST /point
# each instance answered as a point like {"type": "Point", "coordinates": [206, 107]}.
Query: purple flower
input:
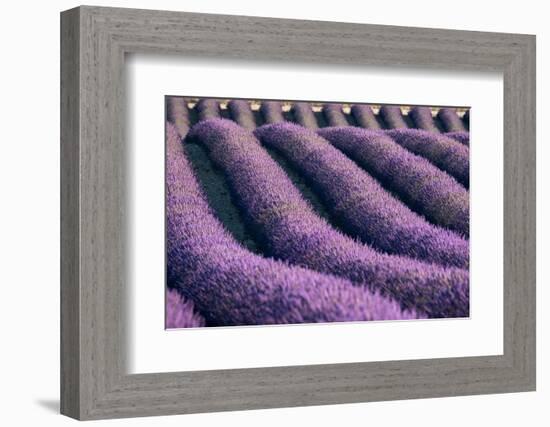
{"type": "Point", "coordinates": [272, 111]}
{"type": "Point", "coordinates": [178, 114]}
{"type": "Point", "coordinates": [334, 115]}
{"type": "Point", "coordinates": [181, 313]}
{"type": "Point", "coordinates": [450, 120]}
{"type": "Point", "coordinates": [357, 201]}
{"type": "Point", "coordinates": [422, 118]}
{"type": "Point", "coordinates": [303, 115]}
{"type": "Point", "coordinates": [462, 137]}
{"type": "Point", "coordinates": [241, 113]}
{"type": "Point", "coordinates": [364, 116]}
{"type": "Point", "coordinates": [229, 285]}
{"type": "Point", "coordinates": [444, 152]}
{"type": "Point", "coordinates": [393, 117]}
{"type": "Point", "coordinates": [425, 188]}
{"type": "Point", "coordinates": [208, 108]}
{"type": "Point", "coordinates": [288, 228]}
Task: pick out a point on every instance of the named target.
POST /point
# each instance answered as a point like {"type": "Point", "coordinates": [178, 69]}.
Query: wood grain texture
{"type": "Point", "coordinates": [70, 220]}
{"type": "Point", "coordinates": [94, 270]}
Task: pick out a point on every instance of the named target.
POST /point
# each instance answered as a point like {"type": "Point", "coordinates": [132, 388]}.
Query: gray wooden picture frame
{"type": "Point", "coordinates": [94, 41]}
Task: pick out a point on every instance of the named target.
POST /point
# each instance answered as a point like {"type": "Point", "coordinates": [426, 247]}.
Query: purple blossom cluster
{"type": "Point", "coordinates": [359, 203]}
{"type": "Point", "coordinates": [303, 115]}
{"type": "Point", "coordinates": [272, 111]}
{"type": "Point", "coordinates": [446, 153]}
{"type": "Point", "coordinates": [461, 136]}
{"type": "Point", "coordinates": [334, 115]}
{"type": "Point", "coordinates": [393, 117]}
{"type": "Point", "coordinates": [208, 108]}
{"type": "Point", "coordinates": [241, 113]}
{"type": "Point", "coordinates": [178, 114]}
{"type": "Point", "coordinates": [180, 313]}
{"type": "Point", "coordinates": [450, 120]}
{"type": "Point", "coordinates": [229, 285]}
{"type": "Point", "coordinates": [425, 188]}
{"type": "Point", "coordinates": [422, 118]}
{"type": "Point", "coordinates": [364, 116]}
{"type": "Point", "coordinates": [288, 228]}
{"type": "Point", "coordinates": [347, 223]}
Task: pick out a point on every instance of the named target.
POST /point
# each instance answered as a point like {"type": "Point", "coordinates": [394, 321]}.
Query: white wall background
{"type": "Point", "coordinates": [29, 217]}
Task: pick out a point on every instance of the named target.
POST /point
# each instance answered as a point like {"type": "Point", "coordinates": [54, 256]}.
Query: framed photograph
{"type": "Point", "coordinates": [261, 213]}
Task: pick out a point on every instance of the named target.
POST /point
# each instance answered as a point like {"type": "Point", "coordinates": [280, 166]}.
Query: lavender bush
{"type": "Point", "coordinates": [450, 120]}
{"type": "Point", "coordinates": [272, 111]}
{"type": "Point", "coordinates": [208, 108]}
{"type": "Point", "coordinates": [425, 188]}
{"type": "Point", "coordinates": [444, 152]}
{"type": "Point", "coordinates": [288, 229]}
{"type": "Point", "coordinates": [364, 116]}
{"type": "Point", "coordinates": [231, 286]}
{"type": "Point", "coordinates": [358, 202]}
{"type": "Point", "coordinates": [422, 118]}
{"type": "Point", "coordinates": [178, 113]}
{"type": "Point", "coordinates": [241, 113]}
{"type": "Point", "coordinates": [334, 115]}
{"type": "Point", "coordinates": [303, 115]}
{"type": "Point", "coordinates": [462, 137]}
{"type": "Point", "coordinates": [393, 117]}
{"type": "Point", "coordinates": [180, 313]}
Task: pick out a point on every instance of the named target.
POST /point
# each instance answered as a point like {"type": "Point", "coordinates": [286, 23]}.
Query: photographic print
{"type": "Point", "coordinates": [293, 212]}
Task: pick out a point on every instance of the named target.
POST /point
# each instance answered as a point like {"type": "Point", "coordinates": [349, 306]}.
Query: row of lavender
{"type": "Point", "coordinates": [223, 284]}
{"type": "Point", "coordinates": [446, 120]}
{"type": "Point", "coordinates": [448, 151]}
{"type": "Point", "coordinates": [399, 258]}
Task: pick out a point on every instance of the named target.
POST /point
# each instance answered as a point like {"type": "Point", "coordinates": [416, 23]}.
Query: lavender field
{"type": "Point", "coordinates": [282, 212]}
